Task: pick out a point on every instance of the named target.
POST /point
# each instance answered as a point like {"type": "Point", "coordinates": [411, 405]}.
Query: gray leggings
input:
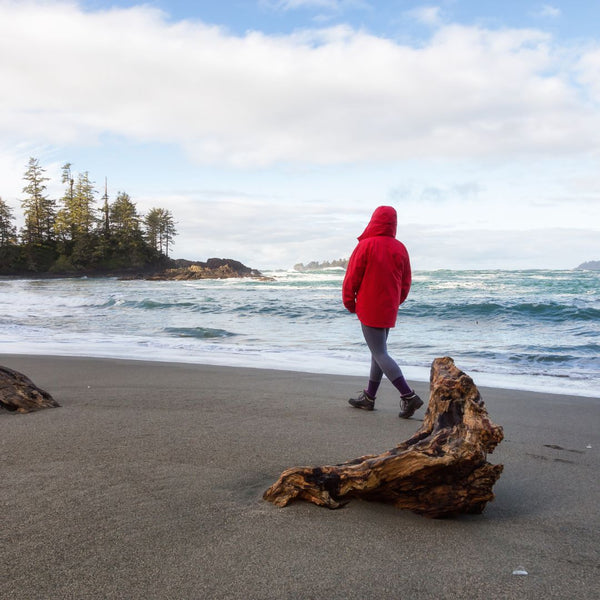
{"type": "Point", "coordinates": [381, 362]}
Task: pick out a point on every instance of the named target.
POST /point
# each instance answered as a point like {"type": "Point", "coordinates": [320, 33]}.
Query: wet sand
{"type": "Point", "coordinates": [147, 483]}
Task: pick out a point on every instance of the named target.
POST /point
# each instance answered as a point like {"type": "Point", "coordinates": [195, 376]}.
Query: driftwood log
{"type": "Point", "coordinates": [19, 394]}
{"type": "Point", "coordinates": [440, 471]}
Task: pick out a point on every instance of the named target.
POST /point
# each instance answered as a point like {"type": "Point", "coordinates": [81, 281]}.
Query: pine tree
{"type": "Point", "coordinates": [160, 229]}
{"type": "Point", "coordinates": [169, 231]}
{"type": "Point", "coordinates": [38, 209]}
{"type": "Point", "coordinates": [152, 224]}
{"type": "Point", "coordinates": [62, 224]}
{"type": "Point", "coordinates": [124, 218]}
{"type": "Point", "coordinates": [128, 246]}
{"type": "Point", "coordinates": [76, 217]}
{"type": "Point", "coordinates": [8, 230]}
{"type": "Point", "coordinates": [105, 210]}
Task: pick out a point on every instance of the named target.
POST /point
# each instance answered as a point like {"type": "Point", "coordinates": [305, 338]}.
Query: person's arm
{"type": "Point", "coordinates": [406, 279]}
{"type": "Point", "coordinates": [353, 278]}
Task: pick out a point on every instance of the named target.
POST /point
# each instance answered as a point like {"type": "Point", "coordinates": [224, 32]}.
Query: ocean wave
{"type": "Point", "coordinates": [198, 332]}
{"type": "Point", "coordinates": [148, 304]}
{"type": "Point", "coordinates": [510, 326]}
{"type": "Point", "coordinates": [528, 311]}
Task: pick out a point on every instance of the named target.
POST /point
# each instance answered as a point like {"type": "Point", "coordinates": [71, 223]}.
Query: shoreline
{"type": "Point", "coordinates": [299, 324]}
{"type": "Point", "coordinates": [416, 374]}
{"type": "Point", "coordinates": [147, 482]}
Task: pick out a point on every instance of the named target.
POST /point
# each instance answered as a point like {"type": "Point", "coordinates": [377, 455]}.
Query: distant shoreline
{"type": "Point", "coordinates": [591, 265]}
{"type": "Point", "coordinates": [171, 269]}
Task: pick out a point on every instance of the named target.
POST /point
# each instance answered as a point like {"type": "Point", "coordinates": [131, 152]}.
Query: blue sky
{"type": "Point", "coordinates": [273, 128]}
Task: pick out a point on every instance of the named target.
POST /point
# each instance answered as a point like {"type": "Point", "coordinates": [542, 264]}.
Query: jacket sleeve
{"type": "Point", "coordinates": [406, 279]}
{"type": "Point", "coordinates": [353, 278]}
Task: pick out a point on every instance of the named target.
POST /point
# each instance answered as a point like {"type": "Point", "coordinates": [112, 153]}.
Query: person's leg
{"type": "Point", "coordinates": [377, 342]}
{"type": "Point", "coordinates": [375, 377]}
{"type": "Point", "coordinates": [366, 399]}
{"type": "Point", "coordinates": [376, 339]}
{"type": "Point", "coordinates": [382, 363]}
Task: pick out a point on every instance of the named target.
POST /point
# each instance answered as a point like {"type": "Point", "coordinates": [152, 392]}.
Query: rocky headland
{"type": "Point", "coordinates": [319, 266]}
{"type": "Point", "coordinates": [213, 268]}
{"type": "Point", "coordinates": [591, 265]}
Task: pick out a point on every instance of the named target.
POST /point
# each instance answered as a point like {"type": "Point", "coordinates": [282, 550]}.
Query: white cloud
{"type": "Point", "coordinates": [326, 96]}
{"type": "Point", "coordinates": [485, 140]}
{"type": "Point", "coordinates": [296, 4]}
{"type": "Point", "coordinates": [428, 15]}
{"type": "Point", "coordinates": [588, 73]}
{"type": "Point", "coordinates": [328, 5]}
{"type": "Point", "coordinates": [548, 11]}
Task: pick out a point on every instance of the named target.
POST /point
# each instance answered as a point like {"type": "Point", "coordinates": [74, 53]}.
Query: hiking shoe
{"type": "Point", "coordinates": [363, 401]}
{"type": "Point", "coordinates": [409, 404]}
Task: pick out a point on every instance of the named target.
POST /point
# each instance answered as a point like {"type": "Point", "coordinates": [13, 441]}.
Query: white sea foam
{"type": "Point", "coordinates": [532, 331]}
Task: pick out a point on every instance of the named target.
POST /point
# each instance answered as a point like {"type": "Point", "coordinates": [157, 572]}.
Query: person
{"type": "Point", "coordinates": [377, 282]}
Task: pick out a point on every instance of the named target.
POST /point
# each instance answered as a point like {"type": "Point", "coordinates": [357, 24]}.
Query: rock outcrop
{"type": "Point", "coordinates": [19, 394]}
{"type": "Point", "coordinates": [213, 268]}
{"type": "Point", "coordinates": [314, 265]}
{"type": "Point", "coordinates": [441, 471]}
{"type": "Point", "coordinates": [590, 265]}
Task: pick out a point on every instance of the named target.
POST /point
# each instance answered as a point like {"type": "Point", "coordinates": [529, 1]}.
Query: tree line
{"type": "Point", "coordinates": [76, 235]}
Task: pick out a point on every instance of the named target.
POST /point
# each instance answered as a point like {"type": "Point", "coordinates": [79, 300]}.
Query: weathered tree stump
{"type": "Point", "coordinates": [440, 471]}
{"type": "Point", "coordinates": [19, 394]}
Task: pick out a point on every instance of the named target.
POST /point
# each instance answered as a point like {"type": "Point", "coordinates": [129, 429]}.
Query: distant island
{"type": "Point", "coordinates": [591, 265]}
{"type": "Point", "coordinates": [319, 266]}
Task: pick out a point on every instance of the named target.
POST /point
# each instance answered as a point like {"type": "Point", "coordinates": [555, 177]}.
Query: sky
{"type": "Point", "coordinates": [272, 129]}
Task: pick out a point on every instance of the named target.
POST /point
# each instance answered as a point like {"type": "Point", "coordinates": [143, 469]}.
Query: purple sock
{"type": "Point", "coordinates": [372, 388]}
{"type": "Point", "coordinates": [400, 384]}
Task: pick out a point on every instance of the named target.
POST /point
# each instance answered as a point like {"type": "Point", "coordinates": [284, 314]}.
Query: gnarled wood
{"type": "Point", "coordinates": [440, 471]}
{"type": "Point", "coordinates": [19, 394]}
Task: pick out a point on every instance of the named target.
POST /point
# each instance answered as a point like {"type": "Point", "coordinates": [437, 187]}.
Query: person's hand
{"type": "Point", "coordinates": [350, 306]}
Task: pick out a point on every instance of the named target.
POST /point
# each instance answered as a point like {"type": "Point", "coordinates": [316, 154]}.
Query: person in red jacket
{"type": "Point", "coordinates": [377, 282]}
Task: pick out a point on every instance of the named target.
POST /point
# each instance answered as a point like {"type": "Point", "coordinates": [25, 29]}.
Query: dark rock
{"type": "Point", "coordinates": [19, 394]}
{"type": "Point", "coordinates": [213, 268]}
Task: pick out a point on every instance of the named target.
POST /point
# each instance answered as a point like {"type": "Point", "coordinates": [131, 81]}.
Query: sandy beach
{"type": "Point", "coordinates": [147, 483]}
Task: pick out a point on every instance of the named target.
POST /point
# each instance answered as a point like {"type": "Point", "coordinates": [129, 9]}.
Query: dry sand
{"type": "Point", "coordinates": [147, 483]}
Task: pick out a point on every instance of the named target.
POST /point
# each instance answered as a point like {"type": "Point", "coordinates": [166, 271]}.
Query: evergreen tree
{"type": "Point", "coordinates": [84, 217]}
{"type": "Point", "coordinates": [76, 217]}
{"type": "Point", "coordinates": [128, 246]}
{"type": "Point", "coordinates": [160, 229]}
{"type": "Point", "coordinates": [123, 216]}
{"type": "Point", "coordinates": [152, 224]}
{"type": "Point", "coordinates": [8, 230]}
{"type": "Point", "coordinates": [76, 238]}
{"type": "Point", "coordinates": [39, 249]}
{"type": "Point", "coordinates": [105, 211]}
{"type": "Point", "coordinates": [11, 257]}
{"type": "Point", "coordinates": [62, 224]}
{"type": "Point", "coordinates": [38, 209]}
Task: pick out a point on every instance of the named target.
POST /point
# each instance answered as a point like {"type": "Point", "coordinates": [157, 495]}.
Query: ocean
{"type": "Point", "coordinates": [532, 330]}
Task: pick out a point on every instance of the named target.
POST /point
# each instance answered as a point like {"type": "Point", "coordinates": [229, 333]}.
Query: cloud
{"type": "Point", "coordinates": [296, 4]}
{"type": "Point", "coordinates": [500, 249]}
{"type": "Point", "coordinates": [337, 6]}
{"type": "Point", "coordinates": [428, 15]}
{"type": "Point", "coordinates": [587, 72]}
{"type": "Point", "coordinates": [260, 232]}
{"type": "Point", "coordinates": [548, 11]}
{"type": "Point", "coordinates": [324, 96]}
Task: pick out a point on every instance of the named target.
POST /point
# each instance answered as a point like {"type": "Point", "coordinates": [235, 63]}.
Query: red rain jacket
{"type": "Point", "coordinates": [378, 276]}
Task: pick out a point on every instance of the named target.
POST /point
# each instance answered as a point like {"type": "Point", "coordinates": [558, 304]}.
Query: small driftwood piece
{"type": "Point", "coordinates": [19, 394]}
{"type": "Point", "coordinates": [440, 471]}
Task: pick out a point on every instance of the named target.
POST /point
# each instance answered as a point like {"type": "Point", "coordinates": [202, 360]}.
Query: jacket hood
{"type": "Point", "coordinates": [383, 222]}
